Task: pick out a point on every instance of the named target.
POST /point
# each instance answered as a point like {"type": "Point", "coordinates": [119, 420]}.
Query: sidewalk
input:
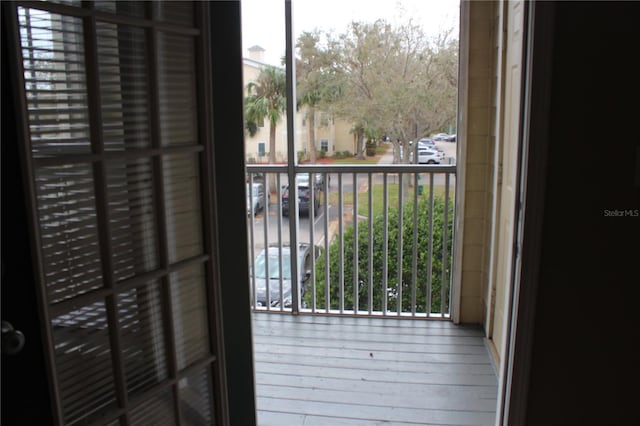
{"type": "Point", "coordinates": [387, 157]}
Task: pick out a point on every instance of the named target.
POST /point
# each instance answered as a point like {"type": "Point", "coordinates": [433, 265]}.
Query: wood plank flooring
{"type": "Point", "coordinates": [343, 371]}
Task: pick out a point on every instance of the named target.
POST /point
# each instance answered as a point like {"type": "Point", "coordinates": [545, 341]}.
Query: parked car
{"type": "Point", "coordinates": [273, 275]}
{"type": "Point", "coordinates": [440, 136]}
{"type": "Point", "coordinates": [256, 197]}
{"type": "Point", "coordinates": [256, 176]}
{"type": "Point", "coordinates": [319, 179]}
{"type": "Point", "coordinates": [426, 142]}
{"type": "Point", "coordinates": [304, 197]}
{"type": "Point", "coordinates": [451, 138]}
{"type": "Point", "coordinates": [428, 156]}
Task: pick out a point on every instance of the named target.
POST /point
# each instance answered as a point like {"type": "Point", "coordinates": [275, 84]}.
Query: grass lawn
{"type": "Point", "coordinates": [353, 160]}
{"type": "Point", "coordinates": [392, 198]}
{"type": "Point", "coordinates": [377, 197]}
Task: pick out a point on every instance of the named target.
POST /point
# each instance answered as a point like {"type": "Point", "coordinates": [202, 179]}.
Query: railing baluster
{"type": "Point", "coordinates": [385, 243]}
{"type": "Point", "coordinates": [327, 290]}
{"type": "Point", "coordinates": [278, 185]}
{"type": "Point", "coordinates": [356, 277]}
{"type": "Point", "coordinates": [265, 243]}
{"type": "Point", "coordinates": [341, 247]}
{"type": "Point", "coordinates": [414, 254]}
{"type": "Point", "coordinates": [430, 248]}
{"type": "Point", "coordinates": [252, 250]}
{"type": "Point", "coordinates": [370, 265]}
{"type": "Point", "coordinates": [292, 250]}
{"type": "Point", "coordinates": [312, 239]}
{"type": "Point", "coordinates": [400, 228]}
{"type": "Point", "coordinates": [445, 262]}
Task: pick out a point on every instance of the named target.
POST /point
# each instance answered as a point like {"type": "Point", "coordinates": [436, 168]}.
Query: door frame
{"type": "Point", "coordinates": [515, 368]}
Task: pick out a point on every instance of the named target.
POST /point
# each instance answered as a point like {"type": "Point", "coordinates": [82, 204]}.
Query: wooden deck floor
{"type": "Point", "coordinates": [324, 371]}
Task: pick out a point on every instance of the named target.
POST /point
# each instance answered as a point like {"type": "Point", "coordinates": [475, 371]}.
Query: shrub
{"type": "Point", "coordinates": [370, 148]}
{"type": "Point", "coordinates": [342, 154]}
{"type": "Point", "coordinates": [392, 262]}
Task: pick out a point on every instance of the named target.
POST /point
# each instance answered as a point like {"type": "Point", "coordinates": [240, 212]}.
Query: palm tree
{"type": "Point", "coordinates": [266, 98]}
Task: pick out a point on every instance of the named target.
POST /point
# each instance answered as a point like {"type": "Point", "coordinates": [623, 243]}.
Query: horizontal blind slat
{"type": "Point", "coordinates": [158, 410]}
{"type": "Point", "coordinates": [189, 314]}
{"type": "Point", "coordinates": [83, 361]}
{"type": "Point", "coordinates": [142, 336]}
{"type": "Point", "coordinates": [68, 230]}
{"type": "Point", "coordinates": [53, 61]}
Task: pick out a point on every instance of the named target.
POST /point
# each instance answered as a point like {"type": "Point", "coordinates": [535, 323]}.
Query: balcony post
{"type": "Point", "coordinates": [292, 157]}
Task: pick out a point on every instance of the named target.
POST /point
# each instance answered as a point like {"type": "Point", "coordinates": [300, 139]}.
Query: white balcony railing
{"type": "Point", "coordinates": [352, 259]}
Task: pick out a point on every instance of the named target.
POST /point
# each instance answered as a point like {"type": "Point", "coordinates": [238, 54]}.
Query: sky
{"type": "Point", "coordinates": [263, 20]}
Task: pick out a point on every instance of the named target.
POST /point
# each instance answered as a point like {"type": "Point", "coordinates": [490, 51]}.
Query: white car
{"type": "Point", "coordinates": [428, 156]}
{"type": "Point", "coordinates": [258, 195]}
{"type": "Point", "coordinates": [440, 137]}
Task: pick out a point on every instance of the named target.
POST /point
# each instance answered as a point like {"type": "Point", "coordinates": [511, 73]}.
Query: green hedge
{"type": "Point", "coordinates": [392, 262]}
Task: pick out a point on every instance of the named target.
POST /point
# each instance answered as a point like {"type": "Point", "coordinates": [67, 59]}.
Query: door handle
{"type": "Point", "coordinates": [12, 339]}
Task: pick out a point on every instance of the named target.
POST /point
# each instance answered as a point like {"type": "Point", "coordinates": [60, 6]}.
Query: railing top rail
{"type": "Point", "coordinates": [354, 168]}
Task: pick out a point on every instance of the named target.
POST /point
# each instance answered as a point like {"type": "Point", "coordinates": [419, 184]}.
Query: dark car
{"type": "Point", "coordinates": [304, 197]}
{"type": "Point", "coordinates": [273, 277]}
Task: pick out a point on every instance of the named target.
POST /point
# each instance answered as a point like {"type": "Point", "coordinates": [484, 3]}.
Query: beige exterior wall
{"type": "Point", "coordinates": [480, 141]}
{"type": "Point", "coordinates": [492, 122]}
{"type": "Point", "coordinates": [345, 140]}
{"type": "Point", "coordinates": [336, 132]}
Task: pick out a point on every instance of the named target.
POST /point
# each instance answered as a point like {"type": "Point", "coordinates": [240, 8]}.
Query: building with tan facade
{"type": "Point", "coordinates": [331, 135]}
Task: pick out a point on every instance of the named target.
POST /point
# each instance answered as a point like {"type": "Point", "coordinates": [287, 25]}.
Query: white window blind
{"type": "Point", "coordinates": [116, 152]}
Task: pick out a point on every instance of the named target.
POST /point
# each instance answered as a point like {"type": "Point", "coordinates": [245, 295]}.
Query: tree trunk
{"type": "Point", "coordinates": [406, 152]}
{"type": "Point", "coordinates": [312, 135]}
{"type": "Point", "coordinates": [272, 143]}
{"type": "Point", "coordinates": [396, 152]}
{"type": "Point", "coordinates": [360, 144]}
{"type": "Point", "coordinates": [272, 154]}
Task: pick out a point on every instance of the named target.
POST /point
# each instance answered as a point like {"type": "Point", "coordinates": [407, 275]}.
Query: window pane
{"type": "Point", "coordinates": [176, 12]}
{"type": "Point", "coordinates": [83, 363]}
{"type": "Point", "coordinates": [195, 399]}
{"type": "Point", "coordinates": [53, 60]}
{"type": "Point", "coordinates": [132, 8]}
{"type": "Point", "coordinates": [124, 90]}
{"type": "Point", "coordinates": [190, 315]}
{"type": "Point", "coordinates": [132, 218]}
{"type": "Point", "coordinates": [68, 230]}
{"type": "Point", "coordinates": [183, 210]}
{"type": "Point", "coordinates": [176, 90]}
{"type": "Point", "coordinates": [157, 410]}
{"type": "Point", "coordinates": [142, 337]}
